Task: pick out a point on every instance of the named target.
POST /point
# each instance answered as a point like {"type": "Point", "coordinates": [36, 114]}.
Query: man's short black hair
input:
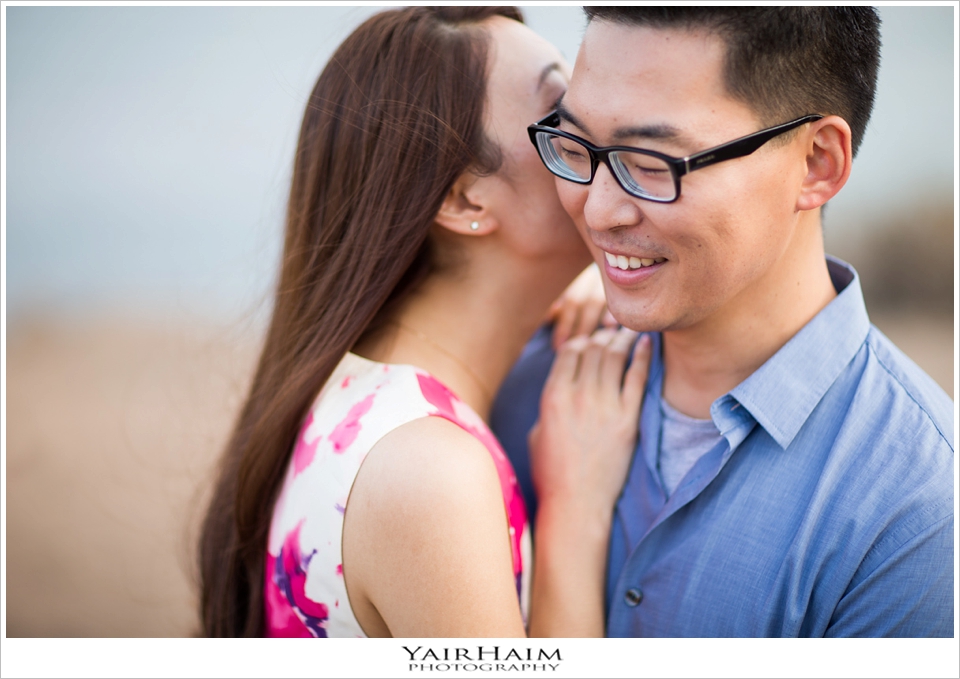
{"type": "Point", "coordinates": [784, 62]}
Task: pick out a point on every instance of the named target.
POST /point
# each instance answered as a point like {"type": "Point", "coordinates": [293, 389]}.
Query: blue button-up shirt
{"type": "Point", "coordinates": [826, 509]}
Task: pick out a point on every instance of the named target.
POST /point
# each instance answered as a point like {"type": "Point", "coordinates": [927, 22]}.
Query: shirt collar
{"type": "Point", "coordinates": [783, 392]}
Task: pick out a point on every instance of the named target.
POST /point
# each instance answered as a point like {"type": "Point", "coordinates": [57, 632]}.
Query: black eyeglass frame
{"type": "Point", "coordinates": [738, 148]}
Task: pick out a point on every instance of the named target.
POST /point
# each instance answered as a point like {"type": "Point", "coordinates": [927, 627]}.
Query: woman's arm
{"type": "Point", "coordinates": [426, 548]}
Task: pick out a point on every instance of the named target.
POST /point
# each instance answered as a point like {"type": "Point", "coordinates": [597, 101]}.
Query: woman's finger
{"type": "Point", "coordinates": [635, 379]}
{"type": "Point", "coordinates": [576, 311]}
{"type": "Point", "coordinates": [554, 311]}
{"type": "Point", "coordinates": [591, 312]}
{"type": "Point", "coordinates": [615, 359]}
{"type": "Point", "coordinates": [590, 365]}
{"type": "Point", "coordinates": [565, 321]}
{"type": "Point", "coordinates": [567, 363]}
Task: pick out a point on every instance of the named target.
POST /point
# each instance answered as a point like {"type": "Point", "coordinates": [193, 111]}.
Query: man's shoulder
{"type": "Point", "coordinates": [885, 430]}
{"type": "Point", "coordinates": [891, 453]}
{"type": "Point", "coordinates": [917, 398]}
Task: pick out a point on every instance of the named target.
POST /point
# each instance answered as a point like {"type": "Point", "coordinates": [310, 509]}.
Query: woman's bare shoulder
{"type": "Point", "coordinates": [428, 459]}
{"type": "Point", "coordinates": [425, 537]}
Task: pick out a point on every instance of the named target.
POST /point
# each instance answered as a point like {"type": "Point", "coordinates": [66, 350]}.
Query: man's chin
{"type": "Point", "coordinates": [638, 317]}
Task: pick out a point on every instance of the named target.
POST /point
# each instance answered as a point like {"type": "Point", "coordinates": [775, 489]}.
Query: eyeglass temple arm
{"type": "Point", "coordinates": [741, 147]}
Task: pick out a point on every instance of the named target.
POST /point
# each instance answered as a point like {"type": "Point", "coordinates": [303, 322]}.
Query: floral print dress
{"type": "Point", "coordinates": [363, 400]}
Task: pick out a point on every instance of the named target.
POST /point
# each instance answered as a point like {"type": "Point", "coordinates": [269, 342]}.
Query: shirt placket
{"type": "Point", "coordinates": [644, 507]}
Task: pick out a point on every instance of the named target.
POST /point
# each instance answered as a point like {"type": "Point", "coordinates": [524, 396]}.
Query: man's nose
{"type": "Point", "coordinates": [608, 205]}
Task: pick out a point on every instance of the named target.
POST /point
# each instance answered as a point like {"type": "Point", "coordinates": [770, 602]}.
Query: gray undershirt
{"type": "Point", "coordinates": [683, 441]}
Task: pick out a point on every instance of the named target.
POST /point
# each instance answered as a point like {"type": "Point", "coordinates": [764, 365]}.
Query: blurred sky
{"type": "Point", "coordinates": [149, 149]}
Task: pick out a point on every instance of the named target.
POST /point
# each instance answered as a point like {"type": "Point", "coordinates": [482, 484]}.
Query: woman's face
{"type": "Point", "coordinates": [526, 77]}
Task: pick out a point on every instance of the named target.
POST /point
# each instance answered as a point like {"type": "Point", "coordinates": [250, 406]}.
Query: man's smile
{"type": "Point", "coordinates": [628, 262]}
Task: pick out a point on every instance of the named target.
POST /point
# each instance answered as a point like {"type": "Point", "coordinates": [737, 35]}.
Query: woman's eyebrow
{"type": "Point", "coordinates": [545, 73]}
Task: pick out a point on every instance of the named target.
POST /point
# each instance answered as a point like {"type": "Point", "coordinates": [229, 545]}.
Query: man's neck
{"type": "Point", "coordinates": [709, 358]}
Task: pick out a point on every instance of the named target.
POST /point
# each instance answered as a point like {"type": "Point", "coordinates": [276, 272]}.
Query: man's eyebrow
{"type": "Point", "coordinates": [659, 132]}
{"type": "Point", "coordinates": [566, 115]}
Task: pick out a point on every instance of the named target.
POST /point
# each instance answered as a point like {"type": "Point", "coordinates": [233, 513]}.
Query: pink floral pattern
{"type": "Point", "coordinates": [305, 449]}
{"type": "Point", "coordinates": [346, 432]}
{"type": "Point", "coordinates": [287, 574]}
{"type": "Point", "coordinates": [362, 402]}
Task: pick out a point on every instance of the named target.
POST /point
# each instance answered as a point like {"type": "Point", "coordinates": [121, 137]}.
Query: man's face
{"type": "Point", "coordinates": [722, 239]}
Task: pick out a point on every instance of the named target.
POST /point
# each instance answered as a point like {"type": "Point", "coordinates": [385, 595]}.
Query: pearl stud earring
{"type": "Point", "coordinates": [474, 226]}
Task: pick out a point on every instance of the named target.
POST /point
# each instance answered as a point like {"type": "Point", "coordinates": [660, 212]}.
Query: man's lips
{"type": "Point", "coordinates": [628, 270]}
{"type": "Point", "coordinates": [630, 262]}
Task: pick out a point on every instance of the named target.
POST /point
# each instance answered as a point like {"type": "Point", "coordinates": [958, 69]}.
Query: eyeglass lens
{"type": "Point", "coordinates": [640, 174]}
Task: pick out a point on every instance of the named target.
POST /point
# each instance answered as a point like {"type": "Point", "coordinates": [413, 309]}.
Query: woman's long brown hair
{"type": "Point", "coordinates": [394, 119]}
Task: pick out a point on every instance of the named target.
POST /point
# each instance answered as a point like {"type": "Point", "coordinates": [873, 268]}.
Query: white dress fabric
{"type": "Point", "coordinates": [304, 591]}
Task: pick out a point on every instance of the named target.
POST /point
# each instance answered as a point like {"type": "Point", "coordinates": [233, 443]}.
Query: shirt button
{"type": "Point", "coordinates": [633, 597]}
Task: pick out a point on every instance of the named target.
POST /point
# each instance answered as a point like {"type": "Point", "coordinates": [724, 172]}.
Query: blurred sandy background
{"type": "Point", "coordinates": [148, 151]}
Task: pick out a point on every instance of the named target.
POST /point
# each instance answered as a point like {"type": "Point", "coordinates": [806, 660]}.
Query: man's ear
{"type": "Point", "coordinates": [829, 158]}
{"type": "Point", "coordinates": [465, 210]}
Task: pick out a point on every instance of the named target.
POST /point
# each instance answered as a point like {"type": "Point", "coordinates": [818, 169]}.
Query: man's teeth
{"type": "Point", "coordinates": [627, 263]}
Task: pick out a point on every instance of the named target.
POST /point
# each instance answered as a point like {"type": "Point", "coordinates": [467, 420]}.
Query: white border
{"type": "Point", "coordinates": [387, 658]}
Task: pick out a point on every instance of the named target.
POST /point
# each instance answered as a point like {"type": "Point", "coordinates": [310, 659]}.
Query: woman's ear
{"type": "Point", "coordinates": [464, 210]}
{"type": "Point", "coordinates": [829, 158]}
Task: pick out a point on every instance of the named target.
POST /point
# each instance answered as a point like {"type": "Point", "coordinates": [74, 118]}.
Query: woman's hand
{"type": "Point", "coordinates": [580, 452]}
{"type": "Point", "coordinates": [580, 308]}
{"type": "Point", "coordinates": [583, 442]}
